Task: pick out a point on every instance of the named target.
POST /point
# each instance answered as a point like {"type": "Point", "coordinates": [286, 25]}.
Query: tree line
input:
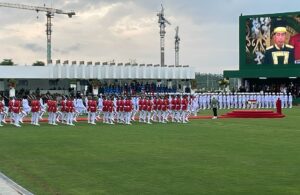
{"type": "Point", "coordinates": [9, 62]}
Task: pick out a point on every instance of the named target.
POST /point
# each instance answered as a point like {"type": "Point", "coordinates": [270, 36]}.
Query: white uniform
{"type": "Point", "coordinates": [290, 100]}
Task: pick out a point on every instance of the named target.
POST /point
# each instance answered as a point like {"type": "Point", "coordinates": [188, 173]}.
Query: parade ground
{"type": "Point", "coordinates": [204, 156]}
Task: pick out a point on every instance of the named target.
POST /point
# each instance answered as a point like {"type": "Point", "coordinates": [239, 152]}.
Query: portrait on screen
{"type": "Point", "coordinates": [273, 40]}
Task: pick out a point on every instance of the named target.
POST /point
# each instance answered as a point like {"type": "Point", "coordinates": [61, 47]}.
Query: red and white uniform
{"type": "Point", "coordinates": [16, 110]}
{"type": "Point", "coordinates": [128, 109]}
{"type": "Point", "coordinates": [1, 112]}
{"type": "Point", "coordinates": [142, 110]}
{"type": "Point", "coordinates": [35, 109]}
{"type": "Point", "coordinates": [1, 107]}
{"type": "Point", "coordinates": [92, 108]}
{"type": "Point", "coordinates": [105, 111]}
{"type": "Point", "coordinates": [184, 104]}
{"type": "Point", "coordinates": [149, 104]}
{"type": "Point", "coordinates": [164, 108]}
{"type": "Point", "coordinates": [110, 107]}
{"type": "Point", "coordinates": [70, 112]}
{"type": "Point", "coordinates": [52, 111]}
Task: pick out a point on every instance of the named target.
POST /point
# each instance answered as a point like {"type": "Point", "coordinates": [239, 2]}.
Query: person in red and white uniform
{"type": "Point", "coordinates": [10, 109]}
{"type": "Point", "coordinates": [17, 112]}
{"type": "Point", "coordinates": [105, 110]}
{"type": "Point", "coordinates": [120, 110]}
{"type": "Point", "coordinates": [128, 109]}
{"type": "Point", "coordinates": [5, 109]}
{"type": "Point", "coordinates": [92, 108]}
{"type": "Point", "coordinates": [178, 109]}
{"type": "Point", "coordinates": [70, 111]}
{"type": "Point", "coordinates": [154, 109]}
{"type": "Point", "coordinates": [173, 108]}
{"type": "Point", "coordinates": [144, 106]}
{"type": "Point", "coordinates": [35, 112]}
{"type": "Point", "coordinates": [159, 109]}
{"type": "Point", "coordinates": [149, 104]}
{"type": "Point", "coordinates": [184, 109]}
{"type": "Point", "coordinates": [53, 111]}
{"type": "Point", "coordinates": [1, 110]}
{"type": "Point", "coordinates": [61, 114]}
{"type": "Point", "coordinates": [141, 114]}
{"type": "Point", "coordinates": [49, 110]}
{"type": "Point", "coordinates": [110, 110]}
{"type": "Point", "coordinates": [135, 104]}
{"type": "Point", "coordinates": [89, 103]}
{"type": "Point", "coordinates": [164, 109]}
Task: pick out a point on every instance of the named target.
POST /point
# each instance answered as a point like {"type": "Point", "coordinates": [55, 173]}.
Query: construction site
{"type": "Point", "coordinates": [65, 76]}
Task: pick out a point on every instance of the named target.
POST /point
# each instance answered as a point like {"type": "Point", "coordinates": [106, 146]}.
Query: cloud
{"type": "Point", "coordinates": [34, 47]}
{"type": "Point", "coordinates": [128, 29]}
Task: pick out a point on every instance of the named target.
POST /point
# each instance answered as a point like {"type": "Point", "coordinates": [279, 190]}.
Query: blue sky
{"type": "Point", "coordinates": [124, 30]}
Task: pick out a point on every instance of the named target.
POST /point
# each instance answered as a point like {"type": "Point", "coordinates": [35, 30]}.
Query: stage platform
{"type": "Point", "coordinates": [253, 114]}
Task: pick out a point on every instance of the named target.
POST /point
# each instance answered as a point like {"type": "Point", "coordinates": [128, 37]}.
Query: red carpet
{"type": "Point", "coordinates": [253, 114]}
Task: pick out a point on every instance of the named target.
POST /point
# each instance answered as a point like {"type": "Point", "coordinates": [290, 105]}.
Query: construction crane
{"type": "Point", "coordinates": [49, 14]}
{"type": "Point", "coordinates": [177, 40]}
{"type": "Point", "coordinates": [162, 24]}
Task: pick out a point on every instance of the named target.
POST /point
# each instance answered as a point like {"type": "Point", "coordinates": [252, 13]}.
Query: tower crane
{"type": "Point", "coordinates": [162, 24]}
{"type": "Point", "coordinates": [177, 40]}
{"type": "Point", "coordinates": [49, 14]}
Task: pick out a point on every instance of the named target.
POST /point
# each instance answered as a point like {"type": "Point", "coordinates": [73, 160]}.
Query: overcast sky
{"type": "Point", "coordinates": [127, 30]}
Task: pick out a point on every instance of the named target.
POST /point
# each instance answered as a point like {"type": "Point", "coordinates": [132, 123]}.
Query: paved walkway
{"type": "Point", "coordinates": [8, 187]}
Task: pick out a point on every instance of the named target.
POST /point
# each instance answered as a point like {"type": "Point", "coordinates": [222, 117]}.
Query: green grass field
{"type": "Point", "coordinates": [225, 156]}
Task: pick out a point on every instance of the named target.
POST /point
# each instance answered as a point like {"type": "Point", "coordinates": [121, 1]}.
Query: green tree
{"type": "Point", "coordinates": [38, 63]}
{"type": "Point", "coordinates": [7, 62]}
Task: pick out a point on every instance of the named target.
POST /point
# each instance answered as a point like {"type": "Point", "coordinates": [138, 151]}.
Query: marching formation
{"type": "Point", "coordinates": [245, 100]}
{"type": "Point", "coordinates": [125, 109]}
